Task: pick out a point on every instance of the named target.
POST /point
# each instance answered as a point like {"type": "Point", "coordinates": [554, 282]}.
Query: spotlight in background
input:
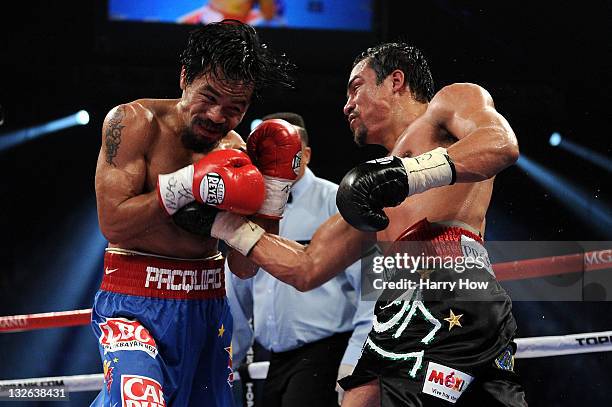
{"type": "Point", "coordinates": [17, 137]}
{"type": "Point", "coordinates": [1, 115]}
{"type": "Point", "coordinates": [585, 153]}
{"type": "Point", "coordinates": [82, 117]}
{"type": "Point", "coordinates": [578, 201]}
{"type": "Point", "coordinates": [68, 263]}
{"type": "Point", "coordinates": [255, 123]}
{"type": "Point", "coordinates": [555, 139]}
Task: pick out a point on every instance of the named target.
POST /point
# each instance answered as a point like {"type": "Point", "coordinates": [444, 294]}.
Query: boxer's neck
{"type": "Point", "coordinates": [402, 116]}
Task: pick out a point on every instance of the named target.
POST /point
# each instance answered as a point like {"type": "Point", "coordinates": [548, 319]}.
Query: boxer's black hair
{"type": "Point", "coordinates": [385, 58]}
{"type": "Point", "coordinates": [231, 51]}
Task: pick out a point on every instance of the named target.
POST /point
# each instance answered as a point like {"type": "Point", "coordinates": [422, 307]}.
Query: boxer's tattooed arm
{"type": "Point", "coordinates": [112, 136]}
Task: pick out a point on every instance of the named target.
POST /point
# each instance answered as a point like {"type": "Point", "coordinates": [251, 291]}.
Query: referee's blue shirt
{"type": "Point", "coordinates": [284, 318]}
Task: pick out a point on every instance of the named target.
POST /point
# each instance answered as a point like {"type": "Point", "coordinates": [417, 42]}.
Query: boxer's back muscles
{"type": "Point", "coordinates": [140, 140]}
{"type": "Point", "coordinates": [461, 118]}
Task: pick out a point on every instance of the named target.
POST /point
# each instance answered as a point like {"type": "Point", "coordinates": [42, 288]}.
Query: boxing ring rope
{"type": "Point", "coordinates": [19, 323]}
{"type": "Point", "coordinates": [553, 265]}
{"type": "Point", "coordinates": [84, 382]}
{"type": "Point", "coordinates": [543, 346]}
{"type": "Point", "coordinates": [534, 347]}
{"type": "Point", "coordinates": [506, 271]}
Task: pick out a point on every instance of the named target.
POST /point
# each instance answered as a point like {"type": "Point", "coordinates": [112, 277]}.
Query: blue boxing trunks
{"type": "Point", "coordinates": [164, 331]}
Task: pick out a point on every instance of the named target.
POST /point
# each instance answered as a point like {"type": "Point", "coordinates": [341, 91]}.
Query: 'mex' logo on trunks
{"type": "Point", "coordinates": [141, 391]}
{"type": "Point", "coordinates": [122, 334]}
{"type": "Point", "coordinates": [445, 382]}
{"type": "Point", "coordinates": [450, 381]}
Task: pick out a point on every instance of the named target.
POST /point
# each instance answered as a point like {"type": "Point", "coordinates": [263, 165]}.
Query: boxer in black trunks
{"type": "Point", "coordinates": [435, 186]}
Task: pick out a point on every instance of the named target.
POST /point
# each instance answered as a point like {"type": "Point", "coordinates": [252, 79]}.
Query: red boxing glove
{"type": "Point", "coordinates": [225, 179]}
{"type": "Point", "coordinates": [275, 147]}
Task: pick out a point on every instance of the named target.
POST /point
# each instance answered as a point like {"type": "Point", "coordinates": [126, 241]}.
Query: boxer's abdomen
{"type": "Point", "coordinates": [172, 244]}
{"type": "Point", "coordinates": [467, 203]}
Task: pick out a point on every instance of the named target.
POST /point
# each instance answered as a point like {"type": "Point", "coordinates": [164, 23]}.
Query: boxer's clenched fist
{"type": "Point", "coordinates": [275, 148]}
{"type": "Point", "coordinates": [368, 188]}
{"type": "Point", "coordinates": [225, 179]}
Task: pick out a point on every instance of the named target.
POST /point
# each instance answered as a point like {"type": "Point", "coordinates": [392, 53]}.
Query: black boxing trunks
{"type": "Point", "coordinates": [442, 344]}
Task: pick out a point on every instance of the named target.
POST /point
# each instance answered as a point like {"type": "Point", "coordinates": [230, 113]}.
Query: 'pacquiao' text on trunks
{"type": "Point", "coordinates": [184, 280]}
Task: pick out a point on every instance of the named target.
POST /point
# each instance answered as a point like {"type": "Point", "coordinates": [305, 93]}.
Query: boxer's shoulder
{"type": "Point", "coordinates": [137, 120]}
{"type": "Point", "coordinates": [458, 100]}
{"type": "Point", "coordinates": [132, 116]}
{"type": "Point", "coordinates": [129, 130]}
{"type": "Point", "coordinates": [459, 96]}
{"type": "Point", "coordinates": [231, 140]}
{"type": "Point", "coordinates": [462, 89]}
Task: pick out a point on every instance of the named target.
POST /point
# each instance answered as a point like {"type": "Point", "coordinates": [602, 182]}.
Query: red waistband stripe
{"type": "Point", "coordinates": [149, 276]}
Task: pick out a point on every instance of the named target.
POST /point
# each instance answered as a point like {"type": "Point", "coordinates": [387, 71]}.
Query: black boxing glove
{"type": "Point", "coordinates": [196, 218]}
{"type": "Point", "coordinates": [207, 221]}
{"type": "Point", "coordinates": [368, 188]}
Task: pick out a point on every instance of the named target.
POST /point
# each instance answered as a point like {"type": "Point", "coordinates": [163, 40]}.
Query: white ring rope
{"type": "Point", "coordinates": [540, 346]}
{"type": "Point", "coordinates": [84, 382]}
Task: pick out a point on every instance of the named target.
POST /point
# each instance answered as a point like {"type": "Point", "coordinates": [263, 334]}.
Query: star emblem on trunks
{"type": "Point", "coordinates": [453, 320]}
{"type": "Point", "coordinates": [424, 274]}
{"type": "Point", "coordinates": [221, 330]}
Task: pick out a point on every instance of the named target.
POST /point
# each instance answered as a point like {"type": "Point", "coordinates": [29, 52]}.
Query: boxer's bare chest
{"type": "Point", "coordinates": [421, 136]}
{"type": "Point", "coordinates": [167, 154]}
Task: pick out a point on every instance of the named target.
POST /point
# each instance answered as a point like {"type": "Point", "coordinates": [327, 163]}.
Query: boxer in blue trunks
{"type": "Point", "coordinates": [161, 317]}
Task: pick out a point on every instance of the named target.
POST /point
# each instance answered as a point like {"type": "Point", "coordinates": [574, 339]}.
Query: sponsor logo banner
{"type": "Point", "coordinates": [122, 334]}
{"type": "Point", "coordinates": [214, 189]}
{"type": "Point", "coordinates": [445, 382]}
{"type": "Point", "coordinates": [141, 391]}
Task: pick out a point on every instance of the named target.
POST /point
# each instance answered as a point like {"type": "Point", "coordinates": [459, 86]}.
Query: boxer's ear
{"type": "Point", "coordinates": [398, 80]}
{"type": "Point", "coordinates": [183, 78]}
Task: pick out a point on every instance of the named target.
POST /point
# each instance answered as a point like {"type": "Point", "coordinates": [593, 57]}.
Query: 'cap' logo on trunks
{"type": "Point", "coordinates": [297, 161]}
{"type": "Point", "coordinates": [141, 391]}
{"type": "Point", "coordinates": [213, 188]}
{"type": "Point", "coordinates": [123, 334]}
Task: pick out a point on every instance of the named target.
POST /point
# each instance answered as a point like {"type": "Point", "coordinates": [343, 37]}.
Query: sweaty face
{"type": "Point", "coordinates": [367, 104]}
{"type": "Point", "coordinates": [214, 107]}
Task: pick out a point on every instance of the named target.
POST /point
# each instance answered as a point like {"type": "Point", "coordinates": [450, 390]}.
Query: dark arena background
{"type": "Point", "coordinates": [547, 65]}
